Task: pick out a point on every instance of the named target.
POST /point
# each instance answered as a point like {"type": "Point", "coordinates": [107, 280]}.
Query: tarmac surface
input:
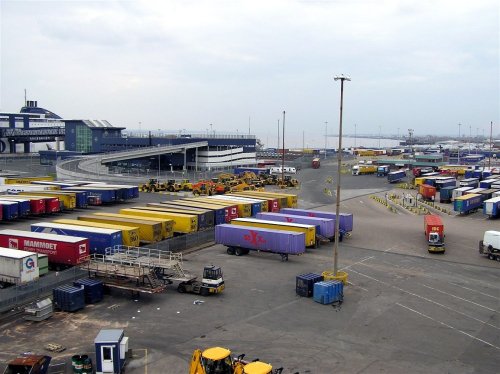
{"type": "Point", "coordinates": [404, 310]}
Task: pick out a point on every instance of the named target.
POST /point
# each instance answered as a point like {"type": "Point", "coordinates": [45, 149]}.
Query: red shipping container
{"type": "Point", "coordinates": [60, 249]}
{"type": "Point", "coordinates": [427, 192]}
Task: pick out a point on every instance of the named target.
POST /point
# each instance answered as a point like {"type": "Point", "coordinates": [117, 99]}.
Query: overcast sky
{"type": "Point", "coordinates": [422, 64]}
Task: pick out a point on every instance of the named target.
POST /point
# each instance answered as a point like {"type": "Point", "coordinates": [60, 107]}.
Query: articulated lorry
{"type": "Point", "coordinates": [434, 233]}
{"type": "Point", "coordinates": [490, 245]}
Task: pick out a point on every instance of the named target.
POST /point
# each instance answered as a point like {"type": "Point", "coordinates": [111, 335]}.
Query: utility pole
{"type": "Point", "coordinates": [339, 162]}
{"type": "Point", "coordinates": [278, 147]}
{"type": "Point", "coordinates": [491, 144]}
{"type": "Point", "coordinates": [410, 133]}
{"type": "Point", "coordinates": [458, 146]}
{"type": "Point", "coordinates": [355, 135]}
{"type": "Point", "coordinates": [326, 135]}
{"type": "Point", "coordinates": [379, 135]}
{"type": "Point", "coordinates": [283, 156]}
{"type": "Point", "coordinates": [248, 125]}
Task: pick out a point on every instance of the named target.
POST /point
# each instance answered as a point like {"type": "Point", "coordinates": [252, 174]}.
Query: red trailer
{"type": "Point", "coordinates": [51, 204]}
{"type": "Point", "coordinates": [60, 249]}
{"type": "Point", "coordinates": [427, 192]}
{"type": "Point", "coordinates": [316, 163]}
{"type": "Point", "coordinates": [434, 232]}
{"type": "Point", "coordinates": [37, 205]}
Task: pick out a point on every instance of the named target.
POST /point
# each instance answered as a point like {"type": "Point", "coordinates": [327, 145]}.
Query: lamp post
{"type": "Point", "coordinates": [459, 125]}
{"type": "Point", "coordinates": [341, 78]}
{"type": "Point", "coordinates": [278, 147]}
{"type": "Point", "coordinates": [283, 153]}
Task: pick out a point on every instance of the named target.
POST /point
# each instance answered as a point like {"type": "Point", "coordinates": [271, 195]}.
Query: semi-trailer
{"type": "Point", "coordinates": [255, 205]}
{"type": "Point", "coordinates": [220, 213]}
{"type": "Point", "coordinates": [16, 188]}
{"type": "Point", "coordinates": [488, 193]}
{"type": "Point", "coordinates": [130, 235]}
{"type": "Point", "coordinates": [288, 200]}
{"type": "Point", "coordinates": [467, 203]}
{"type": "Point", "coordinates": [24, 180]}
{"type": "Point", "coordinates": [469, 182]}
{"type": "Point", "coordinates": [434, 233]}
{"type": "Point", "coordinates": [129, 191]}
{"type": "Point", "coordinates": [396, 176]}
{"type": "Point", "coordinates": [37, 205]}
{"type": "Point", "coordinates": [183, 223]}
{"type": "Point", "coordinates": [427, 192]}
{"type": "Point", "coordinates": [149, 232]}
{"type": "Point", "coordinates": [60, 249]}
{"type": "Point", "coordinates": [244, 208]}
{"type": "Point", "coordinates": [446, 194]}
{"type": "Point", "coordinates": [82, 197]}
{"type": "Point", "coordinates": [460, 191]}
{"type": "Point", "coordinates": [205, 217]}
{"type": "Point", "coordinates": [107, 195]}
{"type": "Point", "coordinates": [490, 245]}
{"type": "Point", "coordinates": [10, 210]}
{"type": "Point", "coordinates": [231, 209]}
{"type": "Point", "coordinates": [272, 203]}
{"type": "Point", "coordinates": [258, 205]}
{"type": "Point", "coordinates": [487, 183]}
{"type": "Point", "coordinates": [51, 204]}
{"type": "Point", "coordinates": [23, 206]}
{"type": "Point", "coordinates": [18, 267]}
{"type": "Point", "coordinates": [99, 238]}
{"type": "Point", "coordinates": [491, 207]}
{"type": "Point", "coordinates": [67, 200]}
{"type": "Point", "coordinates": [442, 182]}
{"type": "Point", "coordinates": [166, 225]}
{"type": "Point", "coordinates": [346, 220]}
{"type": "Point", "coordinates": [239, 240]}
{"type": "Point", "coordinates": [278, 201]}
{"type": "Point", "coordinates": [326, 226]}
{"type": "Point", "coordinates": [309, 231]}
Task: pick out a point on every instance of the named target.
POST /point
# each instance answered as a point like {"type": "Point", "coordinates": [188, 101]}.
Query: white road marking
{"type": "Point", "coordinates": [428, 300]}
{"type": "Point", "coordinates": [356, 263]}
{"type": "Point", "coordinates": [470, 289]}
{"type": "Point", "coordinates": [451, 327]}
{"type": "Point", "coordinates": [352, 284]}
{"type": "Point", "coordinates": [460, 298]}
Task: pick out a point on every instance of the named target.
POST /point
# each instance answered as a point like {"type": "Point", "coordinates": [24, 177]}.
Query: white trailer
{"type": "Point", "coordinates": [490, 245]}
{"type": "Point", "coordinates": [18, 267]}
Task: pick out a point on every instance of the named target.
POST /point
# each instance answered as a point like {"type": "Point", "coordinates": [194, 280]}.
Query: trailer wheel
{"type": "Point", "coordinates": [230, 250]}
{"type": "Point", "coordinates": [181, 288]}
{"type": "Point", "coordinates": [239, 252]}
{"type": "Point", "coordinates": [491, 256]}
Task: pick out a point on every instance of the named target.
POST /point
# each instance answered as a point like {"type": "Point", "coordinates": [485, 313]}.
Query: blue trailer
{"type": "Point", "coordinates": [257, 171]}
{"type": "Point", "coordinates": [111, 347]}
{"type": "Point", "coordinates": [491, 207]}
{"type": "Point", "coordinates": [446, 194]}
{"type": "Point", "coordinates": [469, 182]}
{"type": "Point", "coordinates": [345, 219]}
{"type": "Point", "coordinates": [107, 195]}
{"type": "Point", "coordinates": [442, 182]}
{"type": "Point", "coordinates": [81, 197]}
{"type": "Point", "coordinates": [396, 176]}
{"type": "Point", "coordinates": [23, 207]}
{"type": "Point", "coordinates": [382, 170]}
{"type": "Point", "coordinates": [219, 214]}
{"type": "Point", "coordinates": [10, 210]}
{"type": "Point", "coordinates": [99, 239]}
{"type": "Point", "coordinates": [467, 203]}
{"type": "Point", "coordinates": [324, 226]}
{"type": "Point", "coordinates": [127, 191]}
{"type": "Point", "coordinates": [487, 183]}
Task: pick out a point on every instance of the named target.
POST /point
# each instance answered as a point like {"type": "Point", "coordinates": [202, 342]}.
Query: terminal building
{"type": "Point", "coordinates": [35, 128]}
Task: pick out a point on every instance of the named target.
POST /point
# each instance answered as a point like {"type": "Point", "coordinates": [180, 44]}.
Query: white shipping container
{"type": "Point", "coordinates": [14, 188]}
{"type": "Point", "coordinates": [18, 267]}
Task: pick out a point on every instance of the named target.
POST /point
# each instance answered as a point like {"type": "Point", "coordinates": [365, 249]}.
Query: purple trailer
{"type": "Point", "coordinates": [345, 219]}
{"type": "Point", "coordinates": [239, 240]}
{"type": "Point", "coordinates": [326, 225]}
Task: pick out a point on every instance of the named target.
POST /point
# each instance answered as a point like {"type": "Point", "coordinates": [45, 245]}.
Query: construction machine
{"type": "Point", "coordinates": [173, 186]}
{"type": "Point", "coordinates": [238, 185]}
{"type": "Point", "coordinates": [186, 185]}
{"type": "Point", "coordinates": [153, 185]}
{"type": "Point", "coordinates": [218, 360]}
{"type": "Point", "coordinates": [212, 282]}
{"type": "Point", "coordinates": [220, 187]}
{"type": "Point", "coordinates": [203, 188]}
{"type": "Point", "coordinates": [288, 182]}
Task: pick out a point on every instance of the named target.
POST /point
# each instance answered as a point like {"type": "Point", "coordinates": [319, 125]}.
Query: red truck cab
{"type": "Point", "coordinates": [434, 232]}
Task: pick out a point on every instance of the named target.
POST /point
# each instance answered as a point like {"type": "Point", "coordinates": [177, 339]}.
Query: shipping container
{"type": "Point", "coordinates": [427, 192]}
{"type": "Point", "coordinates": [93, 289]}
{"type": "Point", "coordinates": [10, 210]}
{"type": "Point", "coordinates": [487, 183]}
{"type": "Point", "coordinates": [346, 220]}
{"type": "Point", "coordinates": [99, 238]}
{"type": "Point", "coordinates": [61, 250]}
{"type": "Point", "coordinates": [328, 292]}
{"type": "Point", "coordinates": [220, 213]}
{"type": "Point", "coordinates": [166, 225]}
{"type": "Point", "coordinates": [446, 194]}
{"type": "Point", "coordinates": [241, 239]}
{"type": "Point", "coordinates": [441, 182]}
{"type": "Point", "coordinates": [244, 208]}
{"type": "Point", "coordinates": [107, 195]}
{"type": "Point", "coordinates": [205, 217]}
{"type": "Point", "coordinates": [272, 203]}
{"type": "Point", "coordinates": [67, 200]}
{"type": "Point", "coordinates": [396, 176]}
{"type": "Point", "coordinates": [286, 200]}
{"type": "Point", "coordinates": [149, 232]}
{"type": "Point", "coordinates": [278, 201]}
{"type": "Point", "coordinates": [130, 235]}
{"type": "Point", "coordinates": [469, 182]}
{"type": "Point", "coordinates": [488, 193]}
{"type": "Point", "coordinates": [304, 284]}
{"type": "Point", "coordinates": [491, 207]}
{"type": "Point", "coordinates": [467, 203]}
{"type": "Point", "coordinates": [325, 226]}
{"type": "Point", "coordinates": [18, 267]}
{"type": "Point", "coordinates": [232, 210]}
{"type": "Point", "coordinates": [183, 223]}
{"type": "Point", "coordinates": [261, 204]}
{"type": "Point", "coordinates": [309, 231]}
{"type": "Point", "coordinates": [52, 204]}
{"type": "Point", "coordinates": [68, 298]}
{"type": "Point", "coordinates": [23, 206]}
{"type": "Point", "coordinates": [37, 205]}
{"type": "Point", "coordinates": [255, 206]}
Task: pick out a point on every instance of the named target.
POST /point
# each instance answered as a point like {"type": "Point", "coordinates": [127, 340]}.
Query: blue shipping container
{"type": "Point", "coordinates": [396, 176]}
{"type": "Point", "coordinates": [328, 292]}
{"type": "Point", "coordinates": [99, 239]}
{"type": "Point", "coordinates": [445, 194]}
{"type": "Point", "coordinates": [10, 210]}
{"type": "Point", "coordinates": [93, 289]}
{"type": "Point", "coordinates": [107, 195]}
{"type": "Point", "coordinates": [68, 298]}
{"type": "Point", "coordinates": [304, 284]}
{"type": "Point", "coordinates": [468, 203]}
{"type": "Point", "coordinates": [23, 207]}
{"type": "Point", "coordinates": [260, 239]}
{"type": "Point", "coordinates": [326, 225]}
{"type": "Point", "coordinates": [491, 207]}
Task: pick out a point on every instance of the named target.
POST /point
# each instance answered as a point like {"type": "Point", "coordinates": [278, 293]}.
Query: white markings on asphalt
{"type": "Point", "coordinates": [352, 284]}
{"type": "Point", "coordinates": [460, 298]}
{"type": "Point", "coordinates": [479, 292]}
{"type": "Point", "coordinates": [389, 249]}
{"type": "Point", "coordinates": [446, 325]}
{"type": "Point", "coordinates": [428, 300]}
{"type": "Point", "coordinates": [361, 202]}
{"type": "Point", "coordinates": [310, 181]}
{"type": "Point", "coordinates": [356, 263]}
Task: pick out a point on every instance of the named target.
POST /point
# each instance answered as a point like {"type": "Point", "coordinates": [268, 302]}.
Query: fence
{"type": "Point", "coordinates": [184, 242]}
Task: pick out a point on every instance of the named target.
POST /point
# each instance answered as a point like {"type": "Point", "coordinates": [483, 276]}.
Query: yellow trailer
{"type": "Point", "coordinates": [149, 232]}
{"type": "Point", "coordinates": [419, 181]}
{"type": "Point", "coordinates": [264, 206]}
{"type": "Point", "coordinates": [130, 235]}
{"type": "Point", "coordinates": [166, 225]}
{"type": "Point", "coordinates": [308, 230]}
{"type": "Point", "coordinates": [244, 209]}
{"type": "Point", "coordinates": [280, 201]}
{"type": "Point", "coordinates": [183, 223]}
{"type": "Point", "coordinates": [291, 199]}
{"type": "Point", "coordinates": [67, 199]}
{"type": "Point", "coordinates": [26, 180]}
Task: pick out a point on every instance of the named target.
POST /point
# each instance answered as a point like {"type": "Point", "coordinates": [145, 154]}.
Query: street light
{"type": "Point", "coordinates": [341, 78]}
{"type": "Point", "coordinates": [326, 136]}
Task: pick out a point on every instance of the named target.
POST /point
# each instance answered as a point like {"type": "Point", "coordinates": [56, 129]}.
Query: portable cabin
{"type": "Point", "coordinates": [111, 347]}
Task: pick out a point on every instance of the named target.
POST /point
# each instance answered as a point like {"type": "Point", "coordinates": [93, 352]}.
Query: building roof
{"type": "Point", "coordinates": [109, 336]}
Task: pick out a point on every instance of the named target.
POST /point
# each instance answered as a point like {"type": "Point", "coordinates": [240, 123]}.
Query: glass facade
{"type": "Point", "coordinates": [83, 138]}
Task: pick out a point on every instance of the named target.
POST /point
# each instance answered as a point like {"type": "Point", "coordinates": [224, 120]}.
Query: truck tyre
{"type": "Point", "coordinates": [230, 250]}
{"type": "Point", "coordinates": [204, 291]}
{"type": "Point", "coordinates": [239, 252]}
{"type": "Point", "coordinates": [181, 288]}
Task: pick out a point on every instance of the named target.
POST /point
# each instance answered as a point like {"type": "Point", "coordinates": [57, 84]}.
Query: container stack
{"type": "Point", "coordinates": [304, 284]}
{"type": "Point", "coordinates": [328, 292]}
{"type": "Point", "coordinates": [93, 289]}
{"type": "Point", "coordinates": [69, 298]}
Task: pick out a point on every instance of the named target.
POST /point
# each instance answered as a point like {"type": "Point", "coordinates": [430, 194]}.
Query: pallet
{"type": "Point", "coordinates": [53, 347]}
